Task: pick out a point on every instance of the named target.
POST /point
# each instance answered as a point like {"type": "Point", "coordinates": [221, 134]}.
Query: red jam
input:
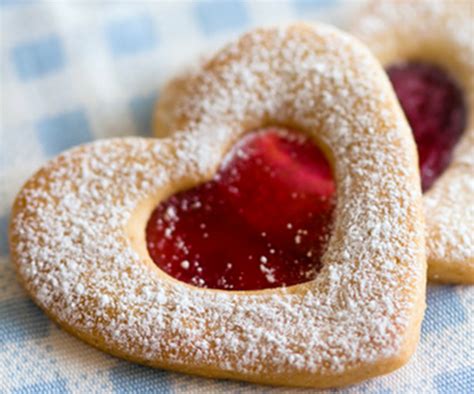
{"type": "Point", "coordinates": [434, 107]}
{"type": "Point", "coordinates": [263, 221]}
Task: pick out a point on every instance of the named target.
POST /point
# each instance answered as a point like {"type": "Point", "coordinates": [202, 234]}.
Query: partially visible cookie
{"type": "Point", "coordinates": [439, 35]}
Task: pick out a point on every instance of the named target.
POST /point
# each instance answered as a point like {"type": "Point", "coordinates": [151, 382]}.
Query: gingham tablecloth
{"type": "Point", "coordinates": [72, 72]}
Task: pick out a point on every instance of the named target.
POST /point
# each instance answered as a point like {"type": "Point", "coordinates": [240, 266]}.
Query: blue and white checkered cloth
{"type": "Point", "coordinates": [73, 72]}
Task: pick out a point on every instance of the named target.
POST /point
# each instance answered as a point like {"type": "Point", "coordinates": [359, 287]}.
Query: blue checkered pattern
{"type": "Point", "coordinates": [38, 58]}
{"type": "Point", "coordinates": [215, 16]}
{"type": "Point", "coordinates": [76, 71]}
{"type": "Point", "coordinates": [131, 35]}
{"type": "Point", "coordinates": [63, 131]}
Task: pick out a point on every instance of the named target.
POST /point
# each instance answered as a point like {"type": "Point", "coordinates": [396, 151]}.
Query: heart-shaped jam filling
{"type": "Point", "coordinates": [435, 108]}
{"type": "Point", "coordinates": [263, 220]}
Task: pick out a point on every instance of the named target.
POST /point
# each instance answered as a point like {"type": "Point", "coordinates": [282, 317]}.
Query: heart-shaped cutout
{"type": "Point", "coordinates": [78, 226]}
{"type": "Point", "coordinates": [435, 108]}
{"type": "Point", "coordinates": [262, 221]}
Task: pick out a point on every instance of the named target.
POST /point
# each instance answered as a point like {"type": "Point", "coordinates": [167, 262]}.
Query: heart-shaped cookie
{"type": "Point", "coordinates": [428, 49]}
{"type": "Point", "coordinates": [77, 234]}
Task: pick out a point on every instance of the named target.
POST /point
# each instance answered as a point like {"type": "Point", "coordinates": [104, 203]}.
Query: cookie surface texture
{"type": "Point", "coordinates": [77, 231]}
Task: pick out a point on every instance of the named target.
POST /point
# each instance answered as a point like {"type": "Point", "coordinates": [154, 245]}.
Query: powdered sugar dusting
{"type": "Point", "coordinates": [71, 250]}
{"type": "Point", "coordinates": [440, 32]}
{"type": "Point", "coordinates": [441, 22]}
{"type": "Point", "coordinates": [450, 217]}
